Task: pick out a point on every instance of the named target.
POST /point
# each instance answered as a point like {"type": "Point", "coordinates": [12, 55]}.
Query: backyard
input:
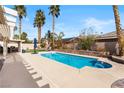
{"type": "Point", "coordinates": [50, 47]}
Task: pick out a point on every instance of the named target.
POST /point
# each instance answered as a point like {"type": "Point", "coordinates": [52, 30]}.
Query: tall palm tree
{"type": "Point", "coordinates": [55, 12]}
{"type": "Point", "coordinates": [39, 21]}
{"type": "Point", "coordinates": [118, 29]}
{"type": "Point", "coordinates": [21, 10]}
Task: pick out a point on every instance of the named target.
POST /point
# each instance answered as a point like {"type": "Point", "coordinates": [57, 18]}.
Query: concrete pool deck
{"type": "Point", "coordinates": [13, 73]}
{"type": "Point", "coordinates": [63, 76]}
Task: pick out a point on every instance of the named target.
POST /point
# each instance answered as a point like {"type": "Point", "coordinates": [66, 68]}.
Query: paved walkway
{"type": "Point", "coordinates": [13, 74]}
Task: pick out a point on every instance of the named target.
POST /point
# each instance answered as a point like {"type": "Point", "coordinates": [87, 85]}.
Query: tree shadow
{"type": "Point", "coordinates": [1, 63]}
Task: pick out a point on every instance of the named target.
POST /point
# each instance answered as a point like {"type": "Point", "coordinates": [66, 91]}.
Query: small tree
{"type": "Point", "coordinates": [59, 39]}
{"type": "Point", "coordinates": [24, 36]}
{"type": "Point", "coordinates": [16, 36]}
{"type": "Point", "coordinates": [49, 36]}
{"type": "Point", "coordinates": [87, 39]}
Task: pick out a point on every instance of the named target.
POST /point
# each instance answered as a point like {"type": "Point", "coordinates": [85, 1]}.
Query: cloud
{"type": "Point", "coordinates": [122, 19]}
{"type": "Point", "coordinates": [59, 27]}
{"type": "Point", "coordinates": [99, 25]}
{"type": "Point", "coordinates": [69, 31]}
{"type": "Point", "coordinates": [29, 29]}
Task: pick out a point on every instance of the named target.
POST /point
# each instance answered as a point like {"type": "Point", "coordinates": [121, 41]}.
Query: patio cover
{"type": "Point", "coordinates": [2, 18]}
{"type": "Point", "coordinates": [4, 31]}
{"type": "Point", "coordinates": [4, 28]}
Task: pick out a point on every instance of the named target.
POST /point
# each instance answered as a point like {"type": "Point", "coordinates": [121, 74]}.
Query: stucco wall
{"type": "Point", "coordinates": [24, 46]}
{"type": "Point", "coordinates": [27, 46]}
{"type": "Point", "coordinates": [106, 46]}
{"type": "Point", "coordinates": [70, 45]}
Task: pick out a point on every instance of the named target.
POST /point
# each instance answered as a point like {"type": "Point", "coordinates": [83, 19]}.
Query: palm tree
{"type": "Point", "coordinates": [39, 21]}
{"type": "Point", "coordinates": [118, 29]}
{"type": "Point", "coordinates": [55, 12]}
{"type": "Point", "coordinates": [21, 10]}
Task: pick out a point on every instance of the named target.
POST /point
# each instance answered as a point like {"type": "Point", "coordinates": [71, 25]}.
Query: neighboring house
{"type": "Point", "coordinates": [7, 26]}
{"type": "Point", "coordinates": [70, 43]}
{"type": "Point", "coordinates": [108, 42]}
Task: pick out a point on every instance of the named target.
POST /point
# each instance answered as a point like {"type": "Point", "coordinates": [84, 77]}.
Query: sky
{"type": "Point", "coordinates": [73, 19]}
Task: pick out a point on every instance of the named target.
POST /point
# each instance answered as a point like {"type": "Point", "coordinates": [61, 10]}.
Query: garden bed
{"type": "Point", "coordinates": [84, 52]}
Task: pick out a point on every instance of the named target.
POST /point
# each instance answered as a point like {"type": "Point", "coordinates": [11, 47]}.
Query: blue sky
{"type": "Point", "coordinates": [73, 19]}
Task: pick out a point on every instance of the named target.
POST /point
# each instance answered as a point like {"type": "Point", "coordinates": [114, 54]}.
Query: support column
{"type": "Point", "coordinates": [20, 47]}
{"type": "Point", "coordinates": [5, 50]}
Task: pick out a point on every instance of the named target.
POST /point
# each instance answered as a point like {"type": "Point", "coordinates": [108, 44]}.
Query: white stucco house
{"type": "Point", "coordinates": [8, 19]}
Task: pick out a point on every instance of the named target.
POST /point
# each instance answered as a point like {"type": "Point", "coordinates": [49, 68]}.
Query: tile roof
{"type": "Point", "coordinates": [109, 35]}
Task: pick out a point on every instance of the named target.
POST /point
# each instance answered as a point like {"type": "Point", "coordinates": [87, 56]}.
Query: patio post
{"type": "Point", "coordinates": [4, 48]}
{"type": "Point", "coordinates": [20, 46]}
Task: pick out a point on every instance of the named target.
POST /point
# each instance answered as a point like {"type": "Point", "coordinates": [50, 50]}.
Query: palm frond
{"type": "Point", "coordinates": [39, 19]}
{"type": "Point", "coordinates": [54, 10]}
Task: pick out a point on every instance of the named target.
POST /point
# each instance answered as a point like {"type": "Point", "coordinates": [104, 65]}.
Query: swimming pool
{"type": "Point", "coordinates": [76, 61]}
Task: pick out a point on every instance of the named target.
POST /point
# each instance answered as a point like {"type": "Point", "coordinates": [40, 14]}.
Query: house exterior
{"type": "Point", "coordinates": [103, 43]}
{"type": "Point", "coordinates": [108, 42]}
{"type": "Point", "coordinates": [70, 43]}
{"type": "Point", "coordinates": [9, 17]}
{"type": "Point", "coordinates": [7, 26]}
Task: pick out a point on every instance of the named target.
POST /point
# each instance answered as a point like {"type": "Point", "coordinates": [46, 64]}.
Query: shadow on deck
{"type": "Point", "coordinates": [1, 63]}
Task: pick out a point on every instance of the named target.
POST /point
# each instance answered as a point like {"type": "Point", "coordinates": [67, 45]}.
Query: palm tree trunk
{"type": "Point", "coordinates": [118, 28]}
{"type": "Point", "coordinates": [39, 36]}
{"type": "Point", "coordinates": [53, 28]}
{"type": "Point", "coordinates": [20, 23]}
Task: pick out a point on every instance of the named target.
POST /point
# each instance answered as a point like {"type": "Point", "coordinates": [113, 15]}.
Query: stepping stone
{"type": "Point", "coordinates": [25, 63]}
{"type": "Point", "coordinates": [41, 83]}
{"type": "Point", "coordinates": [28, 66]}
{"type": "Point", "coordinates": [30, 69]}
{"type": "Point", "coordinates": [46, 86]}
{"type": "Point", "coordinates": [39, 78]}
{"type": "Point", "coordinates": [33, 73]}
{"type": "Point", "coordinates": [118, 84]}
{"type": "Point", "coordinates": [36, 76]}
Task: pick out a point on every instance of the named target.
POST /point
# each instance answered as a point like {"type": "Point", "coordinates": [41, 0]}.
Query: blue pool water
{"type": "Point", "coordinates": [76, 61]}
